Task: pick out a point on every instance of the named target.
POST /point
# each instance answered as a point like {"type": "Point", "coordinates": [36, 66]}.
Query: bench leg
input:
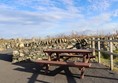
{"type": "Point", "coordinates": [82, 73]}
{"type": "Point", "coordinates": [89, 60]}
{"type": "Point", "coordinates": [46, 68]}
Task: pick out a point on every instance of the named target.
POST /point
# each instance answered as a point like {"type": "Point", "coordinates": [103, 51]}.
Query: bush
{"type": "Point", "coordinates": [105, 55]}
{"type": "Point", "coordinates": [115, 51]}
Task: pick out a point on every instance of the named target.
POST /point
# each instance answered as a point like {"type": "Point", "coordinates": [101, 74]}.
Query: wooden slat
{"type": "Point", "coordinates": [107, 52]}
{"type": "Point", "coordinates": [68, 51]}
{"type": "Point", "coordinates": [73, 64]}
{"type": "Point", "coordinates": [67, 55]}
{"type": "Point", "coordinates": [105, 40]}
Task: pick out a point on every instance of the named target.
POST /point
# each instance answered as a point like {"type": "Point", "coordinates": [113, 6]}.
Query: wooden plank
{"type": "Point", "coordinates": [105, 40]}
{"type": "Point", "coordinates": [73, 64]}
{"type": "Point", "coordinates": [68, 51]}
{"type": "Point", "coordinates": [67, 55]}
{"type": "Point", "coordinates": [107, 52]}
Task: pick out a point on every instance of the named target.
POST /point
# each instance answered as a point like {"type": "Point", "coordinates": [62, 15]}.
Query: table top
{"type": "Point", "coordinates": [68, 51]}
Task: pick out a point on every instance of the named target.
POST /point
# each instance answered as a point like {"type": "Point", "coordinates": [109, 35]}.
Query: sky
{"type": "Point", "coordinates": [41, 18]}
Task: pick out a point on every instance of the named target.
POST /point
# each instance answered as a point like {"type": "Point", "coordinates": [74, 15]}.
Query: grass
{"type": "Point", "coordinates": [106, 61]}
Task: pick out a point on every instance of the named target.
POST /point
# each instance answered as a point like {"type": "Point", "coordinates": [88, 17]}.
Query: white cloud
{"type": "Point", "coordinates": [28, 17]}
{"type": "Point", "coordinates": [49, 18]}
{"type": "Point", "coordinates": [115, 13]}
{"type": "Point", "coordinates": [102, 18]}
{"type": "Point", "coordinates": [5, 7]}
{"type": "Point", "coordinates": [100, 5]}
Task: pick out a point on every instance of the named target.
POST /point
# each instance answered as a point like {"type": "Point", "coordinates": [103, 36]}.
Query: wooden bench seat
{"type": "Point", "coordinates": [80, 65]}
{"type": "Point", "coordinates": [73, 64]}
{"type": "Point", "coordinates": [79, 56]}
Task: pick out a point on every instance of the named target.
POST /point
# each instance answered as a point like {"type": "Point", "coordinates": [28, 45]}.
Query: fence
{"type": "Point", "coordinates": [99, 50]}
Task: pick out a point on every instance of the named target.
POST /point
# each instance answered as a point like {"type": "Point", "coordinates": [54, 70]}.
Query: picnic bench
{"type": "Point", "coordinates": [80, 65]}
{"type": "Point", "coordinates": [86, 56]}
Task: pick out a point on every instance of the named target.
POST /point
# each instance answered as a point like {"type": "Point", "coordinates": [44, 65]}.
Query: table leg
{"type": "Point", "coordinates": [84, 58]}
{"type": "Point", "coordinates": [46, 68]}
{"type": "Point", "coordinates": [49, 59]}
{"type": "Point", "coordinates": [82, 73]}
{"type": "Point", "coordinates": [58, 57]}
{"type": "Point", "coordinates": [88, 58]}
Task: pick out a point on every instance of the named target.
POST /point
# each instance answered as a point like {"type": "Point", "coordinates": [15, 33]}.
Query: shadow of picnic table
{"type": "Point", "coordinates": [36, 69]}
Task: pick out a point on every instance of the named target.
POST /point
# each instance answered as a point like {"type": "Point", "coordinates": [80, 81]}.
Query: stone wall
{"type": "Point", "coordinates": [34, 49]}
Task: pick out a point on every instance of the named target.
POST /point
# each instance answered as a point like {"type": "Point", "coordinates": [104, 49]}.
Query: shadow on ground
{"type": "Point", "coordinates": [6, 57]}
{"type": "Point", "coordinates": [36, 69]}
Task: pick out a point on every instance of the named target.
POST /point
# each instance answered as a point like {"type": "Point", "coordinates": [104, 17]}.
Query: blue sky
{"type": "Point", "coordinates": [39, 18]}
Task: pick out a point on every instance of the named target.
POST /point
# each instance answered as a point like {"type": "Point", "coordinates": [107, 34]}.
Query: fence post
{"type": "Point", "coordinates": [90, 43]}
{"type": "Point", "coordinates": [111, 56]}
{"type": "Point", "coordinates": [93, 46]}
{"type": "Point", "coordinates": [99, 54]}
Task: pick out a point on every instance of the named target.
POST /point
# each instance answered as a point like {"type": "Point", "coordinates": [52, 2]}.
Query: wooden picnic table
{"type": "Point", "coordinates": [86, 53]}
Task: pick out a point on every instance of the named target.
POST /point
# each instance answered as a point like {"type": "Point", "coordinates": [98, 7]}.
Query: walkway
{"type": "Point", "coordinates": [26, 72]}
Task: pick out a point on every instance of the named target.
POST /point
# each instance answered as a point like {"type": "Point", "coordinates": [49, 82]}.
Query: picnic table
{"type": "Point", "coordinates": [59, 53]}
{"type": "Point", "coordinates": [82, 53]}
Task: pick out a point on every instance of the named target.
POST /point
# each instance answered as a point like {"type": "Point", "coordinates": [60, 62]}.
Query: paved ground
{"type": "Point", "coordinates": [26, 72]}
